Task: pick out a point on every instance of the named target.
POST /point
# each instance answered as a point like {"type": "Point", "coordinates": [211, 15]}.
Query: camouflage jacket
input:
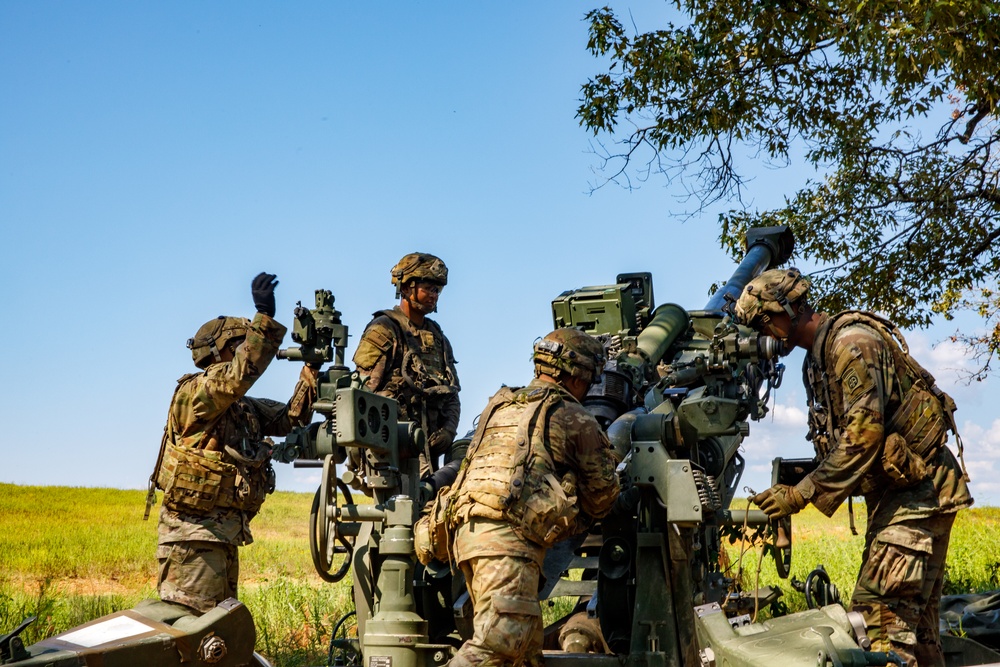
{"type": "Point", "coordinates": [538, 461]}
{"type": "Point", "coordinates": [210, 412]}
{"type": "Point", "coordinates": [856, 384]}
{"type": "Point", "coordinates": [417, 371]}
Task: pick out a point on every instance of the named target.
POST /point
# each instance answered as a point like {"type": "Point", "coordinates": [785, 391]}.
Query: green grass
{"type": "Point", "coordinates": [972, 566]}
{"type": "Point", "coordinates": [69, 555]}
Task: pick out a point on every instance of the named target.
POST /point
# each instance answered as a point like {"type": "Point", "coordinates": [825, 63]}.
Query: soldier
{"type": "Point", "coordinates": [214, 466]}
{"type": "Point", "coordinates": [538, 469]}
{"type": "Point", "coordinates": [879, 426]}
{"type": "Point", "coordinates": [407, 358]}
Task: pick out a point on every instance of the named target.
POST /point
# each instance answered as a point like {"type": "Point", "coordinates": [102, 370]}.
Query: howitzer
{"type": "Point", "coordinates": [676, 396]}
{"type": "Point", "coordinates": [358, 425]}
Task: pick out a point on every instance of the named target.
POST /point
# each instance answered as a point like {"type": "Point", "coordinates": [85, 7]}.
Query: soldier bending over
{"type": "Point", "coordinates": [539, 468]}
{"type": "Point", "coordinates": [879, 425]}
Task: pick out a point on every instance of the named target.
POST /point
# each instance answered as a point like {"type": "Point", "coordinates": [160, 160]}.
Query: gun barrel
{"type": "Point", "coordinates": [767, 247]}
{"type": "Point", "coordinates": [668, 322]}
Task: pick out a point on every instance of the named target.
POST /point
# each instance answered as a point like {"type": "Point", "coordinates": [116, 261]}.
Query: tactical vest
{"type": "Point", "coordinates": [918, 410]}
{"type": "Point", "coordinates": [198, 478]}
{"type": "Point", "coordinates": [421, 368]}
{"type": "Point", "coordinates": [509, 473]}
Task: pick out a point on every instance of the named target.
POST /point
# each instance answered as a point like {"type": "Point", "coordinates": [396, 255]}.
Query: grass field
{"type": "Point", "coordinates": [68, 555]}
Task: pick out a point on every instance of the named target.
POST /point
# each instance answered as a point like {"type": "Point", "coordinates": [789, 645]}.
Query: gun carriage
{"type": "Point", "coordinates": [676, 399]}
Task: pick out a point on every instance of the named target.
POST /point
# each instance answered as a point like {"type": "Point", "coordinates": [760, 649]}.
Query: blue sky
{"type": "Point", "coordinates": [155, 156]}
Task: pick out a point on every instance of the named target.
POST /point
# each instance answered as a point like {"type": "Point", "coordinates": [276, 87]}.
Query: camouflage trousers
{"type": "Point", "coordinates": [507, 617]}
{"type": "Point", "coordinates": [899, 586]}
{"type": "Point", "coordinates": [197, 574]}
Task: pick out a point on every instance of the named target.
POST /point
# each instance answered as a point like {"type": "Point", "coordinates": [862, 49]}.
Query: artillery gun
{"type": "Point", "coordinates": [678, 392]}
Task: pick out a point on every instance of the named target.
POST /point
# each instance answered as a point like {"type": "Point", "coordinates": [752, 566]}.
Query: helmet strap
{"type": "Point", "coordinates": [792, 314]}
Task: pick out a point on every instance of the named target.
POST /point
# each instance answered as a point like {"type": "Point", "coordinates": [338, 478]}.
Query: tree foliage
{"type": "Point", "coordinates": [892, 103]}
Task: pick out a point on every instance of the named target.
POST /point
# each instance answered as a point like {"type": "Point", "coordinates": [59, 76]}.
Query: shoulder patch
{"type": "Point", "coordinates": [367, 355]}
{"type": "Point", "coordinates": [378, 336]}
{"type": "Point", "coordinates": [376, 342]}
{"type": "Point", "coordinates": [853, 372]}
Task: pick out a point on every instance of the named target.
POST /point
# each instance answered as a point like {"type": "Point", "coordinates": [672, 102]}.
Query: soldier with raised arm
{"type": "Point", "coordinates": [214, 466]}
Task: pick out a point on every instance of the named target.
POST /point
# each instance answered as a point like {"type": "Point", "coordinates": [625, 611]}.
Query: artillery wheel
{"type": "Point", "coordinates": [326, 543]}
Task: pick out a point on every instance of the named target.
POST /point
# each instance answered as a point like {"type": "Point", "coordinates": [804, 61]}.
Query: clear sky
{"type": "Point", "coordinates": [155, 156]}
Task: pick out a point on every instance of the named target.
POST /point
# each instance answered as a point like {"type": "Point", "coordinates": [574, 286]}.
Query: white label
{"type": "Point", "coordinates": [113, 629]}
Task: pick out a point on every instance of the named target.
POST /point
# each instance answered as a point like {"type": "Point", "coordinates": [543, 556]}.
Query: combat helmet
{"type": "Point", "coordinates": [419, 266]}
{"type": "Point", "coordinates": [213, 336]}
{"type": "Point", "coordinates": [773, 291]}
{"type": "Point", "coordinates": [569, 351]}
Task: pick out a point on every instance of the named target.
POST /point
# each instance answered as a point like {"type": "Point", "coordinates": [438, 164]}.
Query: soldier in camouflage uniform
{"type": "Point", "coordinates": [214, 465]}
{"type": "Point", "coordinates": [406, 357]}
{"type": "Point", "coordinates": [879, 426]}
{"type": "Point", "coordinates": [538, 470]}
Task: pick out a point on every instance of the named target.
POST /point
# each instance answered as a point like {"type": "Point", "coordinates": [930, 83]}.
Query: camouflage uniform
{"type": "Point", "coordinates": [216, 471]}
{"type": "Point", "coordinates": [415, 366]}
{"type": "Point", "coordinates": [879, 431]}
{"type": "Point", "coordinates": [538, 469]}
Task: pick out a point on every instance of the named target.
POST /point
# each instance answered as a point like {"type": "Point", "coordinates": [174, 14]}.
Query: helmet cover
{"type": "Point", "coordinates": [213, 336]}
{"type": "Point", "coordinates": [569, 351]}
{"type": "Point", "coordinates": [419, 266]}
{"type": "Point", "coordinates": [772, 291]}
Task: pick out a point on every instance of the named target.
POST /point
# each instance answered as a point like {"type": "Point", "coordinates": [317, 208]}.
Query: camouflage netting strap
{"type": "Point", "coordinates": [926, 412]}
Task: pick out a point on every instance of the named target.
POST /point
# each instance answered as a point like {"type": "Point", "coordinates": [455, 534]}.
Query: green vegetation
{"type": "Point", "coordinates": [69, 555]}
{"type": "Point", "coordinates": [972, 565]}
{"type": "Point", "coordinates": [889, 110]}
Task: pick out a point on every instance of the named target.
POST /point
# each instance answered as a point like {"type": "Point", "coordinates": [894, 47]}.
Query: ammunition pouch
{"type": "Point", "coordinates": [431, 537]}
{"type": "Point", "coordinates": [198, 481]}
{"type": "Point", "coordinates": [920, 420]}
{"type": "Point", "coordinates": [903, 466]}
{"type": "Point", "coordinates": [547, 509]}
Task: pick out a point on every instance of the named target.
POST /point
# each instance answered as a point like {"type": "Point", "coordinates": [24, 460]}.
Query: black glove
{"type": "Point", "coordinates": [262, 288]}
{"type": "Point", "coordinates": [440, 440]}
